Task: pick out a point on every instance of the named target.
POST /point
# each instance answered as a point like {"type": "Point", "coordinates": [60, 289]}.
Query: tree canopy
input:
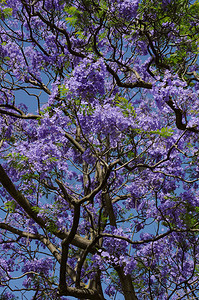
{"type": "Point", "coordinates": [99, 171]}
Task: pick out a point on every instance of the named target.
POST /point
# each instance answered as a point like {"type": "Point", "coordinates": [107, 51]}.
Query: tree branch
{"type": "Point", "coordinates": [25, 204]}
{"type": "Point", "coordinates": [179, 114]}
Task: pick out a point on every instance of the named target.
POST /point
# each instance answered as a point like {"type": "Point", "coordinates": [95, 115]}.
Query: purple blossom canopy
{"type": "Point", "coordinates": [99, 170]}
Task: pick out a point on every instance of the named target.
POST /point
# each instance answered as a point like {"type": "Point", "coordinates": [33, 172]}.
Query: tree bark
{"type": "Point", "coordinates": [125, 280]}
{"type": "Point", "coordinates": [126, 284]}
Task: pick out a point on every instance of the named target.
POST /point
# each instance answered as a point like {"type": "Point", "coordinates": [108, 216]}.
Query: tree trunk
{"type": "Point", "coordinates": [126, 284]}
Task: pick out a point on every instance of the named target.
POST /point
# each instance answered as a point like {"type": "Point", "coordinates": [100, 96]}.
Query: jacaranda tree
{"type": "Point", "coordinates": [99, 127]}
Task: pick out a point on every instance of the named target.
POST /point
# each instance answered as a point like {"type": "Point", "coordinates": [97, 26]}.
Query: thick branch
{"type": "Point", "coordinates": [101, 185]}
{"type": "Point", "coordinates": [179, 114]}
{"type": "Point", "coordinates": [25, 204]}
{"type": "Point", "coordinates": [138, 83]}
{"type": "Point", "coordinates": [74, 142]}
{"type": "Point", "coordinates": [81, 293]}
{"type": "Point", "coordinates": [20, 199]}
{"type": "Point", "coordinates": [65, 246]}
{"type": "Point", "coordinates": [17, 114]}
{"type": "Point", "coordinates": [44, 240]}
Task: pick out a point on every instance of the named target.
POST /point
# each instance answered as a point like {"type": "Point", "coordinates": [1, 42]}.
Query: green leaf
{"type": "Point", "coordinates": [36, 209]}
{"type": "Point", "coordinates": [74, 15]}
{"type": "Point", "coordinates": [52, 227]}
{"type": "Point", "coordinates": [126, 106]}
{"type": "Point", "coordinates": [164, 132]}
{"type": "Point", "coordinates": [7, 11]}
{"type": "Point", "coordinates": [10, 206]}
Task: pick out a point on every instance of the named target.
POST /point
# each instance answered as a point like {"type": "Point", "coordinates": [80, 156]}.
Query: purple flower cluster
{"type": "Point", "coordinates": [42, 265]}
{"type": "Point", "coordinates": [126, 9]}
{"type": "Point", "coordinates": [87, 80]}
